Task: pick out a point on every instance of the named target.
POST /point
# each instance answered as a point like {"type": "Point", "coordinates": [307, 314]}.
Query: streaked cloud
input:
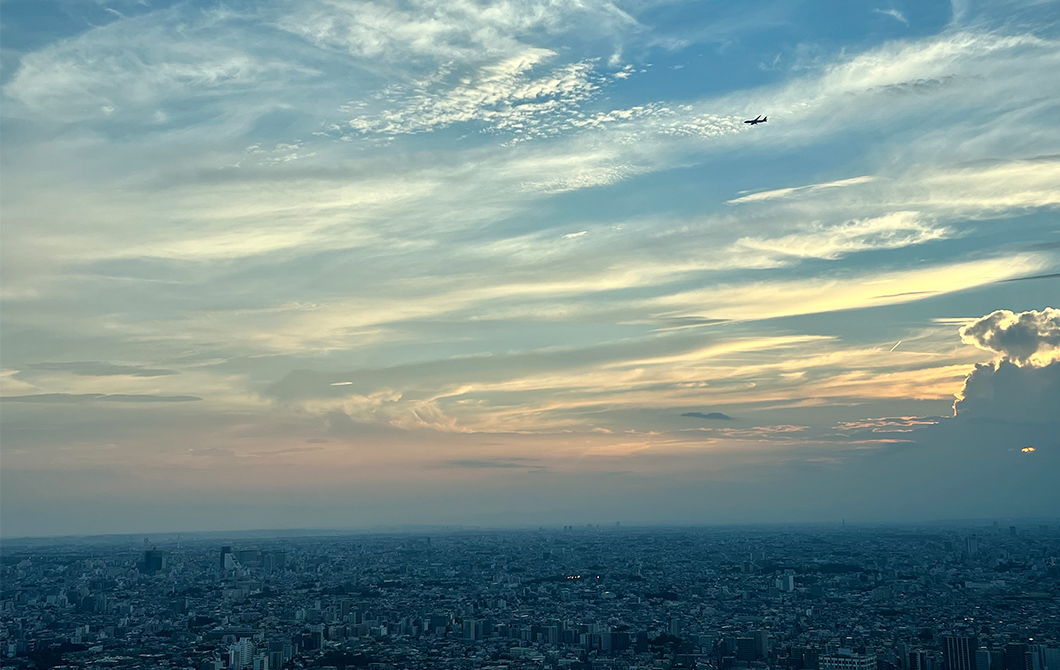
{"type": "Point", "coordinates": [515, 463]}
{"type": "Point", "coordinates": [895, 14]}
{"type": "Point", "coordinates": [438, 245]}
{"type": "Point", "coordinates": [711, 416]}
{"type": "Point", "coordinates": [101, 369]}
{"type": "Point", "coordinates": [61, 398]}
{"type": "Point", "coordinates": [893, 231]}
{"type": "Point", "coordinates": [800, 190]}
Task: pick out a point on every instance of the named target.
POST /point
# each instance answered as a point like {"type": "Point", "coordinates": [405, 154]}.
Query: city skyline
{"type": "Point", "coordinates": [334, 264]}
{"type": "Point", "coordinates": [576, 598]}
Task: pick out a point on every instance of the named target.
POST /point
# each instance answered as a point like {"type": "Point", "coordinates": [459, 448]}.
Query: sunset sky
{"type": "Point", "coordinates": [355, 263]}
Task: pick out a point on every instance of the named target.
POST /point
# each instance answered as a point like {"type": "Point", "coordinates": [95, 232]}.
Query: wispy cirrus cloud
{"type": "Point", "coordinates": [64, 398]}
{"type": "Point", "coordinates": [800, 190]}
{"type": "Point", "coordinates": [440, 32]}
{"type": "Point", "coordinates": [510, 235]}
{"type": "Point", "coordinates": [895, 14]}
{"type": "Point", "coordinates": [507, 97]}
{"type": "Point", "coordinates": [891, 231]}
{"type": "Point", "coordinates": [101, 369]}
{"type": "Point", "coordinates": [142, 70]}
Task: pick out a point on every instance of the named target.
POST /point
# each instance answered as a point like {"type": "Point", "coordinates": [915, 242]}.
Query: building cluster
{"type": "Point", "coordinates": [580, 598]}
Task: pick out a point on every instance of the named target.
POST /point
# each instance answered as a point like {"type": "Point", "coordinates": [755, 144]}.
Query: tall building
{"type": "Point", "coordinates": [971, 545]}
{"type": "Point", "coordinates": [241, 654]}
{"type": "Point", "coordinates": [1018, 657]}
{"type": "Point", "coordinates": [959, 652]}
{"type": "Point", "coordinates": [1050, 658]}
{"type": "Point", "coordinates": [982, 659]}
{"type": "Point", "coordinates": [847, 660]}
{"type": "Point", "coordinates": [153, 562]}
{"type": "Point", "coordinates": [276, 654]}
{"type": "Point", "coordinates": [762, 644]}
{"type": "Point", "coordinates": [468, 630]}
{"type": "Point", "coordinates": [745, 649]}
{"type": "Point", "coordinates": [225, 553]}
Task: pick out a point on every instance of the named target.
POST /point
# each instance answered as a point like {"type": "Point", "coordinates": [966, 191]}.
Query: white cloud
{"type": "Point", "coordinates": [904, 63]}
{"type": "Point", "coordinates": [1030, 337]}
{"type": "Point", "coordinates": [505, 95]}
{"type": "Point", "coordinates": [440, 31]}
{"type": "Point", "coordinates": [124, 71]}
{"type": "Point", "coordinates": [892, 231]}
{"type": "Point", "coordinates": [894, 14]}
{"type": "Point", "coordinates": [340, 251]}
{"type": "Point", "coordinates": [759, 300]}
{"type": "Point", "coordinates": [801, 190]}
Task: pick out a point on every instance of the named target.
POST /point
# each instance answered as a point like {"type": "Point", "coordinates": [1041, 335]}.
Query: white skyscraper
{"type": "Point", "coordinates": [241, 654]}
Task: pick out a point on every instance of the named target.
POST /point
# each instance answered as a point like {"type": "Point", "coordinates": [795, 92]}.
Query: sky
{"type": "Point", "coordinates": [367, 263]}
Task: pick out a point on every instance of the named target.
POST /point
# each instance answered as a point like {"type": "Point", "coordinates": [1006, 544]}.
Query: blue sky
{"type": "Point", "coordinates": [351, 263]}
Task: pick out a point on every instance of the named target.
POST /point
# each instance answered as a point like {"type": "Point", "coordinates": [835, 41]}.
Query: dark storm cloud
{"type": "Point", "coordinates": [67, 398]}
{"type": "Point", "coordinates": [1009, 392]}
{"type": "Point", "coordinates": [712, 416]}
{"type": "Point", "coordinates": [100, 369]}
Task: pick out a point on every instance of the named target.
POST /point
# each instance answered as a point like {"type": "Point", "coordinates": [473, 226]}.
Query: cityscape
{"type": "Point", "coordinates": [530, 335]}
{"type": "Point", "coordinates": [973, 596]}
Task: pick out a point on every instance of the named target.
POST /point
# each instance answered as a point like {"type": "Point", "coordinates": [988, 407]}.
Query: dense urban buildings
{"type": "Point", "coordinates": [971, 597]}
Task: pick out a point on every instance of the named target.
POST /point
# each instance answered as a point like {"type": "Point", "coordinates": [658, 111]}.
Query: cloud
{"type": "Point", "coordinates": [463, 62]}
{"type": "Point", "coordinates": [1026, 337]}
{"type": "Point", "coordinates": [101, 369]}
{"type": "Point", "coordinates": [133, 70]}
{"type": "Point", "coordinates": [1012, 393]}
{"type": "Point", "coordinates": [1051, 275]}
{"type": "Point", "coordinates": [426, 275]}
{"type": "Point", "coordinates": [504, 96]}
{"type": "Point", "coordinates": [800, 190]}
{"type": "Point", "coordinates": [498, 463]}
{"type": "Point", "coordinates": [443, 31]}
{"type": "Point", "coordinates": [823, 293]}
{"type": "Point", "coordinates": [712, 416]}
{"type": "Point", "coordinates": [894, 14]}
{"type": "Point", "coordinates": [1025, 384]}
{"type": "Point", "coordinates": [892, 231]}
{"type": "Point", "coordinates": [62, 398]}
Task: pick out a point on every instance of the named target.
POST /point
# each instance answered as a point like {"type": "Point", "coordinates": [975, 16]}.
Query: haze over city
{"type": "Point", "coordinates": [358, 263]}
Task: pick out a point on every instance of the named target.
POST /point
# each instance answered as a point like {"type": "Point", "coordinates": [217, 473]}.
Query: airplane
{"type": "Point", "coordinates": [758, 119]}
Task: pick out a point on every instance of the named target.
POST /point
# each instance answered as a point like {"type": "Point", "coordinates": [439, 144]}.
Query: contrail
{"type": "Point", "coordinates": [896, 345]}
